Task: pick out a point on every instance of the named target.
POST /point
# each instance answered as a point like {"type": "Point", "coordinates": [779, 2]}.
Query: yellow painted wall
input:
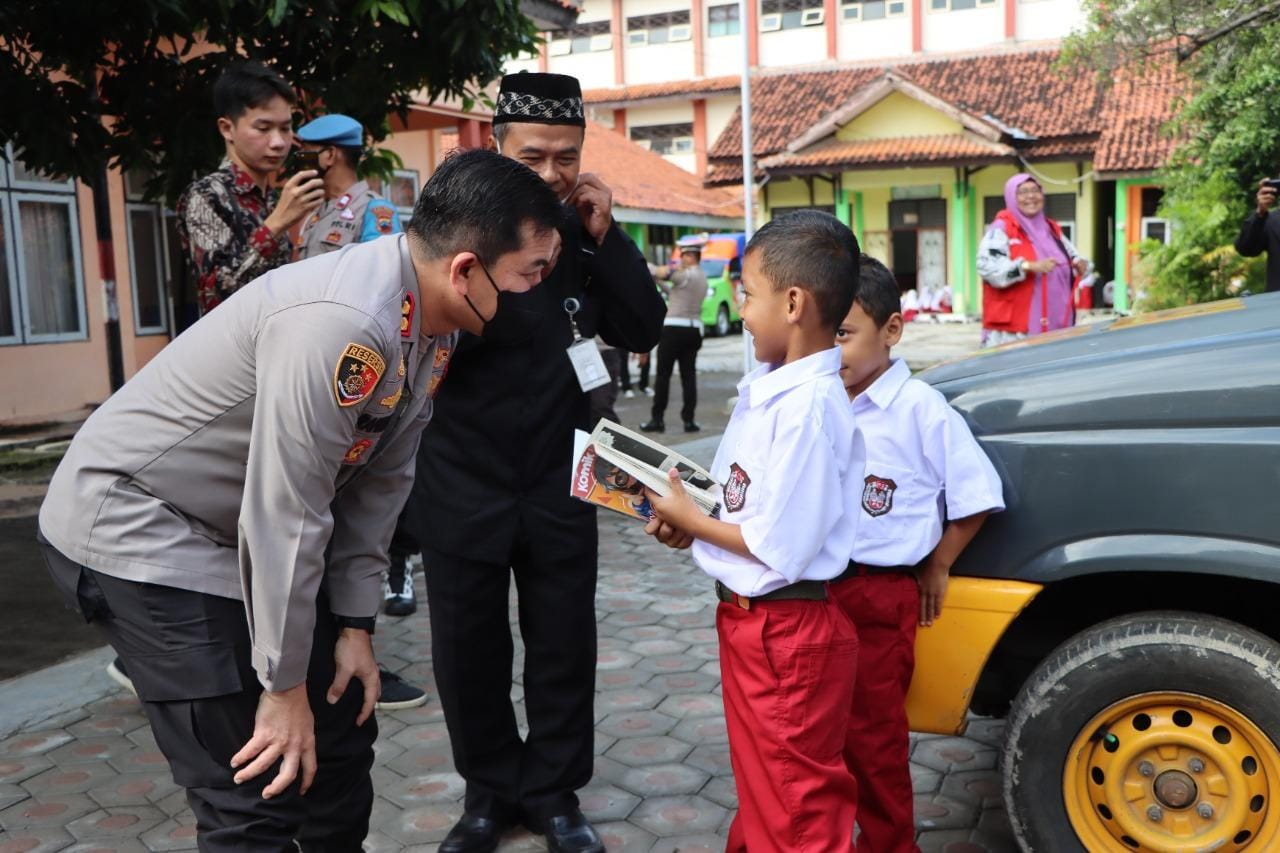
{"type": "Point", "coordinates": [795, 193]}
{"type": "Point", "coordinates": [895, 116]}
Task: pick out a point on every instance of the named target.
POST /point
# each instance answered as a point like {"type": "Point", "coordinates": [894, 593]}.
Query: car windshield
{"type": "Point", "coordinates": [713, 268]}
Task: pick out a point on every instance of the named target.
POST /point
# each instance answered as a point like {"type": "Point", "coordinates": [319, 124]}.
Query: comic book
{"type": "Point", "coordinates": [613, 465]}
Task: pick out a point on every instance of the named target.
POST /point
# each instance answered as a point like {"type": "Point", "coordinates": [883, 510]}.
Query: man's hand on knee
{"type": "Point", "coordinates": [283, 729]}
{"type": "Point", "coordinates": [353, 656]}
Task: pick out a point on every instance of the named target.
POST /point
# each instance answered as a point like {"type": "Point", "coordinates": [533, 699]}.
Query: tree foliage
{"type": "Point", "coordinates": [1229, 124]}
{"type": "Point", "coordinates": [130, 84]}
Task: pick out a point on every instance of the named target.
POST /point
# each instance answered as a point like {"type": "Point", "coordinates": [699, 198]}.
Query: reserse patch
{"type": "Point", "coordinates": [357, 374]}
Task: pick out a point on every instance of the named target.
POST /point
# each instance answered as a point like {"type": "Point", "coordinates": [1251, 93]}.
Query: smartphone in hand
{"type": "Point", "coordinates": [303, 160]}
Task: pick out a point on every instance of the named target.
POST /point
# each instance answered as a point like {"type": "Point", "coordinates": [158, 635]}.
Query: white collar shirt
{"type": "Point", "coordinates": [788, 463]}
{"type": "Point", "coordinates": [921, 462]}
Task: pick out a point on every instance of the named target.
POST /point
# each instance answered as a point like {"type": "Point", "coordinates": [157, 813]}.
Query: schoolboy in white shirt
{"type": "Point", "coordinates": [921, 462]}
{"type": "Point", "coordinates": [789, 465]}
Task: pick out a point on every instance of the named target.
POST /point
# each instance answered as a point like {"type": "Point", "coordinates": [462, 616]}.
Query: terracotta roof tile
{"type": "Point", "coordinates": [905, 150]}
{"type": "Point", "coordinates": [643, 180]}
{"type": "Point", "coordinates": [670, 89]}
{"type": "Point", "coordinates": [1134, 136]}
{"type": "Point", "coordinates": [1024, 93]}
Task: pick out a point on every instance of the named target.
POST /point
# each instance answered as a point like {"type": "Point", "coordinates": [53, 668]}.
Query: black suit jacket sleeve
{"type": "Point", "coordinates": [1253, 236]}
{"type": "Point", "coordinates": [631, 309]}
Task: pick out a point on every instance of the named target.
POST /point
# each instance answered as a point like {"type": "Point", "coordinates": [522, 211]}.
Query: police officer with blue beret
{"type": "Point", "coordinates": [352, 212]}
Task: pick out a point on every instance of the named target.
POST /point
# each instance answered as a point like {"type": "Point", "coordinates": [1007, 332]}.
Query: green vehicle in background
{"type": "Point", "coordinates": [722, 265]}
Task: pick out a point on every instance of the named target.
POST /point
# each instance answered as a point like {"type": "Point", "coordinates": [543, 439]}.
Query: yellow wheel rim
{"type": "Point", "coordinates": [1173, 772]}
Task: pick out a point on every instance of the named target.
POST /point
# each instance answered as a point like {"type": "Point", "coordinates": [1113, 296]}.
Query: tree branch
{"type": "Point", "coordinates": [1196, 42]}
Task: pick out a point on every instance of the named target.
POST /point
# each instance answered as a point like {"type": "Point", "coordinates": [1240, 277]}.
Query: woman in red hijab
{"type": "Point", "coordinates": [1028, 268]}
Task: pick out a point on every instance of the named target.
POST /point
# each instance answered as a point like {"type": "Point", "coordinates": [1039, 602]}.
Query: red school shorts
{"type": "Point", "coordinates": [787, 672]}
{"type": "Point", "coordinates": [885, 610]}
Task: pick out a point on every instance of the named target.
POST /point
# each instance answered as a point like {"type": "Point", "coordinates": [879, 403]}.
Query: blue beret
{"type": "Point", "coordinates": [333, 129]}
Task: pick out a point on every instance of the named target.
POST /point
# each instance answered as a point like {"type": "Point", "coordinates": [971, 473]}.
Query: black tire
{"type": "Point", "coordinates": [1110, 662]}
{"type": "Point", "coordinates": [723, 324]}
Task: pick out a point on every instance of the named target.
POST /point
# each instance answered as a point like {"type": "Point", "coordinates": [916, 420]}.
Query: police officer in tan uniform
{"type": "Point", "coordinates": [224, 517]}
{"type": "Point", "coordinates": [351, 212]}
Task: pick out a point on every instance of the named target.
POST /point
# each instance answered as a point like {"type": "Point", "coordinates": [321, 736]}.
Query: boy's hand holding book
{"type": "Point", "coordinates": [674, 514]}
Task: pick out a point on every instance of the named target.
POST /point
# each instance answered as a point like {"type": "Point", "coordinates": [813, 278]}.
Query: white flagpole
{"type": "Point", "coordinates": [748, 166]}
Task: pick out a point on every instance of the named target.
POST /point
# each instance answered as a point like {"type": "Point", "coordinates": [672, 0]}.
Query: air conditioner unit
{"type": "Point", "coordinates": [680, 32]}
{"type": "Point", "coordinates": [812, 17]}
{"type": "Point", "coordinates": [771, 22]}
{"type": "Point", "coordinates": [603, 41]}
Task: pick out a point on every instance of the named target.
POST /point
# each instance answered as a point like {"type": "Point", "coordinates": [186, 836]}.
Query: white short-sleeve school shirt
{"type": "Point", "coordinates": [921, 462]}
{"type": "Point", "coordinates": [788, 464]}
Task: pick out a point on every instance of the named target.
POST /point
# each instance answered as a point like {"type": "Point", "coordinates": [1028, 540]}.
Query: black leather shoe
{"type": "Point", "coordinates": [653, 426]}
{"type": "Point", "coordinates": [473, 834]}
{"type": "Point", "coordinates": [690, 426]}
{"type": "Point", "coordinates": [572, 833]}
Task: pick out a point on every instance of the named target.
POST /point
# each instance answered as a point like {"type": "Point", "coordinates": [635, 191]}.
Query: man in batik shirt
{"type": "Point", "coordinates": [232, 222]}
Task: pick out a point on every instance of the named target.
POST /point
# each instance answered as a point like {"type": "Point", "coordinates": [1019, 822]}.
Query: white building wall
{"type": "Point", "coordinates": [1048, 19]}
{"type": "Point", "coordinates": [962, 30]}
{"type": "Point", "coordinates": [888, 37]}
{"type": "Point", "coordinates": [662, 113]}
{"type": "Point", "coordinates": [514, 66]}
{"type": "Point", "coordinates": [719, 111]}
{"type": "Point", "coordinates": [656, 63]}
{"type": "Point", "coordinates": [593, 70]}
{"type": "Point", "coordinates": [722, 55]}
{"type": "Point", "coordinates": [799, 46]}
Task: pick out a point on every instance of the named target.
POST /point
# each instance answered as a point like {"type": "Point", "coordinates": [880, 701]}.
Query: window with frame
{"type": "Point", "coordinates": [153, 255]}
{"type": "Point", "coordinates": [790, 14]}
{"type": "Point", "coordinates": [723, 21]}
{"type": "Point", "coordinates": [665, 138]}
{"type": "Point", "coordinates": [582, 38]}
{"type": "Point", "coordinates": [659, 29]}
{"type": "Point", "coordinates": [958, 5]}
{"type": "Point", "coordinates": [1151, 225]}
{"type": "Point", "coordinates": [41, 275]}
{"type": "Point", "coordinates": [873, 10]}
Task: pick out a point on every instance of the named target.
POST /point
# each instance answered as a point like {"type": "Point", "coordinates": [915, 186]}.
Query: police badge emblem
{"type": "Point", "coordinates": [877, 495]}
{"type": "Point", "coordinates": [735, 488]}
{"type": "Point", "coordinates": [355, 451]}
{"type": "Point", "coordinates": [356, 374]}
{"type": "Point", "coordinates": [406, 315]}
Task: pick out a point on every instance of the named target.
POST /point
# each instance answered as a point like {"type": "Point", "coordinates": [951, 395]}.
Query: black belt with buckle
{"type": "Point", "coordinates": [800, 590]}
{"type": "Point", "coordinates": [861, 570]}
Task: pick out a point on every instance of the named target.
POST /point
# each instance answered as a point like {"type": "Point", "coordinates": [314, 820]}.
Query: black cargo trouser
{"type": "Point", "coordinates": [508, 777]}
{"type": "Point", "coordinates": [678, 345]}
{"type": "Point", "coordinates": [188, 655]}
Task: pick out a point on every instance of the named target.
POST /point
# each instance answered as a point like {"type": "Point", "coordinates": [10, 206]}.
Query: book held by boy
{"type": "Point", "coordinates": [613, 466]}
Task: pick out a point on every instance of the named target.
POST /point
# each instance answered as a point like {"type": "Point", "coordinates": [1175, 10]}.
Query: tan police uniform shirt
{"type": "Point", "coordinates": [356, 216]}
{"type": "Point", "coordinates": [284, 422]}
{"type": "Point", "coordinates": [686, 289]}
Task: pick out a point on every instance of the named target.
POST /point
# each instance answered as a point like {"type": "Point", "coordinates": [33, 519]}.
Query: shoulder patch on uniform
{"type": "Point", "coordinates": [383, 216]}
{"type": "Point", "coordinates": [392, 400]}
{"type": "Point", "coordinates": [357, 374]}
{"type": "Point", "coordinates": [877, 495]}
{"type": "Point", "coordinates": [735, 490]}
{"type": "Point", "coordinates": [406, 315]}
{"type": "Point", "coordinates": [356, 450]}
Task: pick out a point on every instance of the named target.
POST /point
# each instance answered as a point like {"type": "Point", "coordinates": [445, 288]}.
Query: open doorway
{"type": "Point", "coordinates": [918, 239]}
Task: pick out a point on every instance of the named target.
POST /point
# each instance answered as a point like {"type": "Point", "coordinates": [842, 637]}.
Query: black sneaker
{"type": "Point", "coordinates": [653, 426]}
{"type": "Point", "coordinates": [400, 599]}
{"type": "Point", "coordinates": [397, 693]}
{"type": "Point", "coordinates": [690, 426]}
{"type": "Point", "coordinates": [116, 672]}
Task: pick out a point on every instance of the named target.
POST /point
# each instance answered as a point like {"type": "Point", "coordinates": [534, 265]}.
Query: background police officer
{"type": "Point", "coordinates": [351, 212]}
{"type": "Point", "coordinates": [225, 519]}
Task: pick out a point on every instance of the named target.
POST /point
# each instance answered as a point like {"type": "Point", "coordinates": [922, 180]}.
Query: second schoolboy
{"type": "Point", "coordinates": [788, 462]}
{"type": "Point", "coordinates": [921, 462]}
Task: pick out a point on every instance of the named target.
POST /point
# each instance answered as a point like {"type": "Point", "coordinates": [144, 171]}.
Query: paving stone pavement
{"type": "Point", "coordinates": [92, 778]}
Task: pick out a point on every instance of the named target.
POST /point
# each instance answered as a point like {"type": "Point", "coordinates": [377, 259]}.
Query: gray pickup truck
{"type": "Point", "coordinates": [1124, 611]}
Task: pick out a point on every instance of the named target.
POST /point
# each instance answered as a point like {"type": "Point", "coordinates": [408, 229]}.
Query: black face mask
{"type": "Point", "coordinates": [515, 318]}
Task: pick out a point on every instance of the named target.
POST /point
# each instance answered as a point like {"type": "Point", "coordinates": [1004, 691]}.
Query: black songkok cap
{"type": "Point", "coordinates": [540, 99]}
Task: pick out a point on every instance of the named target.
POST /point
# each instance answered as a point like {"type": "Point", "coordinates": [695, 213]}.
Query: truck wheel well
{"type": "Point", "coordinates": [1064, 608]}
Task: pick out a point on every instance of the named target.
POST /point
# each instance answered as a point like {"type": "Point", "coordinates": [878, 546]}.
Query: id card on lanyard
{"type": "Point", "coordinates": [584, 355]}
